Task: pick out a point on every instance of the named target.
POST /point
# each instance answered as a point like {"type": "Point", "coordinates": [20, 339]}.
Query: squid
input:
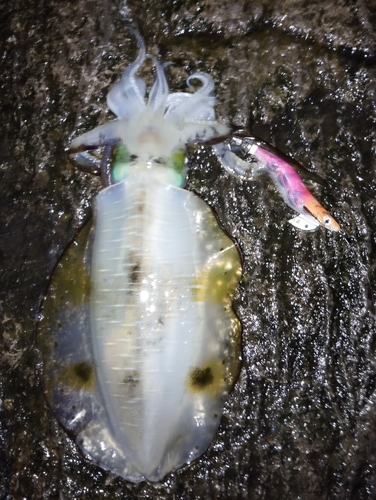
{"type": "Point", "coordinates": [139, 339]}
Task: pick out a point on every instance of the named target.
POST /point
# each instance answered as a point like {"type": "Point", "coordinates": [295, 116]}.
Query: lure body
{"type": "Point", "coordinates": [283, 172]}
{"type": "Point", "coordinates": [292, 189]}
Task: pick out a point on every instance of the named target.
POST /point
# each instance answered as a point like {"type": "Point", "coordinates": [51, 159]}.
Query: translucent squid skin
{"type": "Point", "coordinates": [140, 354]}
{"type": "Point", "coordinates": [138, 336]}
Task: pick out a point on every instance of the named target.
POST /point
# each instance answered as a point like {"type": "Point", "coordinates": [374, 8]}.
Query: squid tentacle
{"type": "Point", "coordinates": [129, 93]}
{"type": "Point", "coordinates": [159, 92]}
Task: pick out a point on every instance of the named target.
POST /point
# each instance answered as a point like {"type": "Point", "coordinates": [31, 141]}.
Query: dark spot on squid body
{"type": "Point", "coordinates": [131, 380]}
{"type": "Point", "coordinates": [79, 376]}
{"type": "Point", "coordinates": [135, 273]}
{"type": "Point", "coordinates": [200, 378]}
{"type": "Point", "coordinates": [83, 371]}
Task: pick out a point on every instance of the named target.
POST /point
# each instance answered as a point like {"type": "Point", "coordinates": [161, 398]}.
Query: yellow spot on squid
{"type": "Point", "coordinates": [218, 281]}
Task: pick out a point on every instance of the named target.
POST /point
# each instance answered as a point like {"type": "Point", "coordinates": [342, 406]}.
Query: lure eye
{"type": "Point", "coordinates": [327, 221]}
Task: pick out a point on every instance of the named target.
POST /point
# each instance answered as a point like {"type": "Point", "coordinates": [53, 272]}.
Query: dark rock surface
{"type": "Point", "coordinates": [300, 422]}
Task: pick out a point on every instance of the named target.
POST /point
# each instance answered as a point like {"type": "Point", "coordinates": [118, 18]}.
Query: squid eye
{"type": "Point", "coordinates": [177, 165]}
{"type": "Point", "coordinates": [177, 161]}
{"type": "Point", "coordinates": [120, 166]}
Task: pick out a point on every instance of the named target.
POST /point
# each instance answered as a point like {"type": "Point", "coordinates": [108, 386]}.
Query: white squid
{"type": "Point", "coordinates": [141, 344]}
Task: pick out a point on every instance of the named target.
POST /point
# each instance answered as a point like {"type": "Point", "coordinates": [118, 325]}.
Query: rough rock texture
{"type": "Point", "coordinates": [300, 422]}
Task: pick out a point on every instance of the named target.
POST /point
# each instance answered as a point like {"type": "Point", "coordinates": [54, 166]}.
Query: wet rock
{"type": "Point", "coordinates": [300, 422]}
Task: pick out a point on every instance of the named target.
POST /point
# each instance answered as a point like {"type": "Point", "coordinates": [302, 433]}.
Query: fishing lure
{"type": "Point", "coordinates": [139, 340]}
{"type": "Point", "coordinates": [258, 157]}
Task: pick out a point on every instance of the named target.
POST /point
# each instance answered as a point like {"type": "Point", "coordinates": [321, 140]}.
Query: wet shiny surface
{"type": "Point", "coordinates": [300, 421]}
